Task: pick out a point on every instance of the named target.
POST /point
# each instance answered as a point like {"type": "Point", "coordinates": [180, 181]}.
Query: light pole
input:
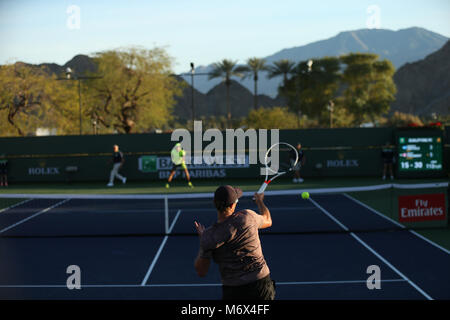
{"type": "Point", "coordinates": [330, 108]}
{"type": "Point", "coordinates": [193, 73]}
{"type": "Point", "coordinates": [309, 65]}
{"type": "Point", "coordinates": [192, 94]}
{"type": "Point", "coordinates": [69, 76]}
{"type": "Point", "coordinates": [94, 124]}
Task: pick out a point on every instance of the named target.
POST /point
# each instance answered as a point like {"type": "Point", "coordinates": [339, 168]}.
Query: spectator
{"type": "Point", "coordinates": [387, 154]}
{"type": "Point", "coordinates": [118, 161]}
{"type": "Point", "coordinates": [300, 163]}
{"type": "Point", "coordinates": [3, 172]}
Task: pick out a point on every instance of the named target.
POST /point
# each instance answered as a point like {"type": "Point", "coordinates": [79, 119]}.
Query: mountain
{"type": "Point", "coordinates": [80, 64]}
{"type": "Point", "coordinates": [214, 102]}
{"type": "Point", "coordinates": [423, 87]}
{"type": "Point", "coordinates": [211, 104]}
{"type": "Point", "coordinates": [400, 47]}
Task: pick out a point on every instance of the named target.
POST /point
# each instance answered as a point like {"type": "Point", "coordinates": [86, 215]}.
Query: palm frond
{"type": "Point", "coordinates": [281, 68]}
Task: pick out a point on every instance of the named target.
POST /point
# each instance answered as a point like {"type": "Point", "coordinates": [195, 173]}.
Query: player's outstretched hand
{"type": "Point", "coordinates": [200, 228]}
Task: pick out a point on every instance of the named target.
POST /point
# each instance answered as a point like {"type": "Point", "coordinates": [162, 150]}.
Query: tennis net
{"type": "Point", "coordinates": [328, 210]}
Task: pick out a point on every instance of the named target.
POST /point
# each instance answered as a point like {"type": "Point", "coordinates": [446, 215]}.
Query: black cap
{"type": "Point", "coordinates": [226, 195]}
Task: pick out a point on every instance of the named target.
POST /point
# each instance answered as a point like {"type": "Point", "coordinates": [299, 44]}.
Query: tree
{"type": "Point", "coordinates": [312, 87]}
{"type": "Point", "coordinates": [225, 69]}
{"type": "Point", "coordinates": [399, 119]}
{"type": "Point", "coordinates": [136, 92]}
{"type": "Point", "coordinates": [30, 98]}
{"type": "Point", "coordinates": [283, 67]}
{"type": "Point", "coordinates": [339, 115]}
{"type": "Point", "coordinates": [253, 67]}
{"type": "Point", "coordinates": [273, 118]}
{"type": "Point", "coordinates": [369, 86]}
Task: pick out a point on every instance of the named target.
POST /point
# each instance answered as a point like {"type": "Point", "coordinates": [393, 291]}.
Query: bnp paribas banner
{"type": "Point", "coordinates": [201, 169]}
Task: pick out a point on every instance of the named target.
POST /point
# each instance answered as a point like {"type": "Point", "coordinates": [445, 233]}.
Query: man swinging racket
{"type": "Point", "coordinates": [233, 243]}
{"type": "Point", "coordinates": [178, 159]}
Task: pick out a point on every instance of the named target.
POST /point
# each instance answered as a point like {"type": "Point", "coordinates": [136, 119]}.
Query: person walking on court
{"type": "Point", "coordinates": [118, 161]}
{"type": "Point", "coordinates": [300, 163]}
{"type": "Point", "coordinates": [233, 243]}
{"type": "Point", "coordinates": [177, 155]}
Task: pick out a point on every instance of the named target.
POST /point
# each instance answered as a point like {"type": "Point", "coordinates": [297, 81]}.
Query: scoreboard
{"type": "Point", "coordinates": [419, 153]}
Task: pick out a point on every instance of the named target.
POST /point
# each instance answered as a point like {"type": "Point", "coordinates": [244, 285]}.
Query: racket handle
{"type": "Point", "coordinates": [263, 187]}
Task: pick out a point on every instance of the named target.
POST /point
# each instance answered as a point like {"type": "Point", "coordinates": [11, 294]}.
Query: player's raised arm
{"type": "Point", "coordinates": [263, 210]}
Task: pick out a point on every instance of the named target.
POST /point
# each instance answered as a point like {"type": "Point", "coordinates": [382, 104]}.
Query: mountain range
{"type": "Point", "coordinates": [422, 79]}
{"type": "Point", "coordinates": [423, 87]}
{"type": "Point", "coordinates": [400, 47]}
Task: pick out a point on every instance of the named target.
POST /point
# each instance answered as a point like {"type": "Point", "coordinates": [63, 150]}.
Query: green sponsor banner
{"type": "Point", "coordinates": [148, 164]}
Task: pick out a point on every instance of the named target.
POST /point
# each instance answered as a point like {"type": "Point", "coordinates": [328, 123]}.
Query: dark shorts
{"type": "Point", "coordinates": [178, 166]}
{"type": "Point", "coordinates": [262, 289]}
{"type": "Point", "coordinates": [3, 169]}
{"type": "Point", "coordinates": [388, 161]}
{"type": "Point", "coordinates": [297, 167]}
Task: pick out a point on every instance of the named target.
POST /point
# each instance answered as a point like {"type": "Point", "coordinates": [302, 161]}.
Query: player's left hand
{"type": "Point", "coordinates": [200, 228]}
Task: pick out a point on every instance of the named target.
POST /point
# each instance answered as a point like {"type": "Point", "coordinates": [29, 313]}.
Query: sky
{"type": "Point", "coordinates": [199, 31]}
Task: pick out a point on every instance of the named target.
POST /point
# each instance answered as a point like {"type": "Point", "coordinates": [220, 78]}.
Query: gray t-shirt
{"type": "Point", "coordinates": [234, 245]}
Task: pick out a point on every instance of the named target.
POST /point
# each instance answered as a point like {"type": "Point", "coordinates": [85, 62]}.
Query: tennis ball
{"type": "Point", "coordinates": [305, 195]}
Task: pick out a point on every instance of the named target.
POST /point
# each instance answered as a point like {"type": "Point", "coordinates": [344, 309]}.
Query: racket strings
{"type": "Point", "coordinates": [286, 160]}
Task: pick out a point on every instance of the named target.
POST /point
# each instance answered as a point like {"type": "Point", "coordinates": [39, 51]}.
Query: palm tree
{"type": "Point", "coordinates": [253, 67]}
{"type": "Point", "coordinates": [282, 67]}
{"type": "Point", "coordinates": [225, 69]}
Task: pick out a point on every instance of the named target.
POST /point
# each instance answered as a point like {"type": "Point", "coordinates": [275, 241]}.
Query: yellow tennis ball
{"type": "Point", "coordinates": [305, 195]}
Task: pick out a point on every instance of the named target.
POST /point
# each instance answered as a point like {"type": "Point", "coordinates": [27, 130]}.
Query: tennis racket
{"type": "Point", "coordinates": [286, 160]}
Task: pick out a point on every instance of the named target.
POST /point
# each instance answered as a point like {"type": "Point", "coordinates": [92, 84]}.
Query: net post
{"type": "Point", "coordinates": [393, 195]}
{"type": "Point", "coordinates": [166, 214]}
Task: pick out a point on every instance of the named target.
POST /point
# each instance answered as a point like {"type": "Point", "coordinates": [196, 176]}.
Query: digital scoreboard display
{"type": "Point", "coordinates": [419, 153]}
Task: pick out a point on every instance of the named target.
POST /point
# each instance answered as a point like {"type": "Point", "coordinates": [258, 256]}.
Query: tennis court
{"type": "Point", "coordinates": [144, 246]}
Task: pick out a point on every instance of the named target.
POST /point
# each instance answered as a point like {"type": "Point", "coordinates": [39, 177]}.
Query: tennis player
{"type": "Point", "coordinates": [233, 243]}
{"type": "Point", "coordinates": [118, 161]}
{"type": "Point", "coordinates": [300, 163]}
{"type": "Point", "coordinates": [178, 159]}
{"type": "Point", "coordinates": [3, 172]}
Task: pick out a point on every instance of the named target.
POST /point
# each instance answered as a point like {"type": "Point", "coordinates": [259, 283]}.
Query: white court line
{"type": "Point", "coordinates": [373, 251]}
{"type": "Point", "coordinates": [166, 215]}
{"type": "Point", "coordinates": [374, 211]}
{"type": "Point", "coordinates": [34, 215]}
{"type": "Point", "coordinates": [271, 208]}
{"type": "Point", "coordinates": [336, 282]}
{"type": "Point", "coordinates": [429, 241]}
{"type": "Point", "coordinates": [396, 223]}
{"type": "Point", "coordinates": [329, 215]}
{"type": "Point", "coordinates": [158, 253]}
{"type": "Point", "coordinates": [15, 205]}
{"type": "Point", "coordinates": [176, 285]}
{"type": "Point", "coordinates": [210, 195]}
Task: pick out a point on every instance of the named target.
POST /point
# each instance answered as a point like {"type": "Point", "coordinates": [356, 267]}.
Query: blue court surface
{"type": "Point", "coordinates": [119, 257]}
